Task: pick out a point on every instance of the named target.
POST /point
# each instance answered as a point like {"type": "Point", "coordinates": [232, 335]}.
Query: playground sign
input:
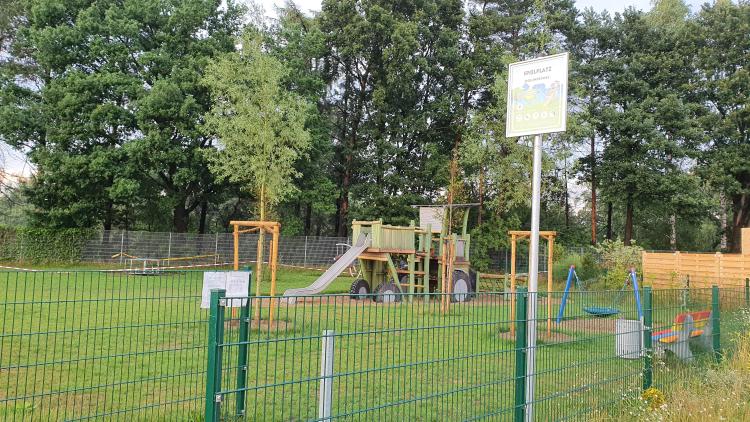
{"type": "Point", "coordinates": [537, 96]}
{"type": "Point", "coordinates": [537, 104]}
{"type": "Point", "coordinates": [236, 284]}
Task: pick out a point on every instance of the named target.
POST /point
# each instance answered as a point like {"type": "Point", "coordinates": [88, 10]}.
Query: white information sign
{"type": "Point", "coordinates": [537, 96]}
{"type": "Point", "coordinates": [236, 284]}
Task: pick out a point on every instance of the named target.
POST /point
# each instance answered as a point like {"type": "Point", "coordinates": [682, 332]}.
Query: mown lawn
{"type": "Point", "coordinates": [91, 344]}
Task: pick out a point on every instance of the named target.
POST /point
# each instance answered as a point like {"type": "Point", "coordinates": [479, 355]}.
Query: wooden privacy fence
{"type": "Point", "coordinates": [670, 269]}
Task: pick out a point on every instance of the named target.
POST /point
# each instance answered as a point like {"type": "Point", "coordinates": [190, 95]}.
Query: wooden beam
{"type": "Point", "coordinates": [526, 233]}
{"type": "Point", "coordinates": [550, 249]}
{"type": "Point", "coordinates": [241, 223]}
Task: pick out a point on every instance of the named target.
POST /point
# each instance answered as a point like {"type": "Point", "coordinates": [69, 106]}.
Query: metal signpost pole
{"type": "Point", "coordinates": [537, 104]}
{"type": "Point", "coordinates": [536, 186]}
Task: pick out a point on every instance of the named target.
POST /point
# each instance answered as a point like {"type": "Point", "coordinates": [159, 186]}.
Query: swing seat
{"type": "Point", "coordinates": [601, 311]}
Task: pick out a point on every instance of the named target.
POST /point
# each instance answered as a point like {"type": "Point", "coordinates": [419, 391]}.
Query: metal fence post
{"type": "Point", "coordinates": [716, 321]}
{"type": "Point", "coordinates": [213, 369]}
{"type": "Point", "coordinates": [122, 245]}
{"type": "Point", "coordinates": [747, 293]}
{"type": "Point", "coordinates": [244, 337]}
{"type": "Point", "coordinates": [169, 246]}
{"type": "Point", "coordinates": [648, 322]}
{"type": "Point", "coordinates": [326, 376]}
{"type": "Point", "coordinates": [304, 260]}
{"type": "Point", "coordinates": [216, 249]}
{"type": "Point", "coordinates": [520, 379]}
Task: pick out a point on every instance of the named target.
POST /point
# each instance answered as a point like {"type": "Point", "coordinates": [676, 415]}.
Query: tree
{"type": "Point", "coordinates": [260, 126]}
{"type": "Point", "coordinates": [722, 80]}
{"type": "Point", "coordinates": [114, 103]}
{"type": "Point", "coordinates": [297, 41]}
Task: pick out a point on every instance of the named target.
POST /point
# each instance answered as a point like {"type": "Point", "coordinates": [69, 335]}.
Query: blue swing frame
{"type": "Point", "coordinates": [599, 311]}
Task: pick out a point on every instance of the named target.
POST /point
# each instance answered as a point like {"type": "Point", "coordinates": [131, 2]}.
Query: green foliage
{"type": "Point", "coordinates": [616, 259]}
{"type": "Point", "coordinates": [586, 265]}
{"type": "Point", "coordinates": [260, 125]}
{"type": "Point", "coordinates": [491, 235]}
{"type": "Point", "coordinates": [42, 245]}
{"type": "Point", "coordinates": [110, 104]}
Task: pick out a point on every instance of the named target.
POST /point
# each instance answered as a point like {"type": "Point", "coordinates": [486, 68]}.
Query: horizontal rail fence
{"type": "Point", "coordinates": [89, 345]}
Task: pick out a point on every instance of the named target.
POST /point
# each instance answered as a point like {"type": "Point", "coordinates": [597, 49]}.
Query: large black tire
{"type": "Point", "coordinates": [387, 292]}
{"type": "Point", "coordinates": [461, 288]}
{"type": "Point", "coordinates": [360, 289]}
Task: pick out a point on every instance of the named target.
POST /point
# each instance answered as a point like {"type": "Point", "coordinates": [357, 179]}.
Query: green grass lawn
{"type": "Point", "coordinates": [89, 344]}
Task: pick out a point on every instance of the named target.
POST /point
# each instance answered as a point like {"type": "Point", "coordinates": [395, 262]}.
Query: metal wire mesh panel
{"type": "Point", "coordinates": [82, 345]}
{"type": "Point", "coordinates": [400, 361]}
{"type": "Point", "coordinates": [181, 250]}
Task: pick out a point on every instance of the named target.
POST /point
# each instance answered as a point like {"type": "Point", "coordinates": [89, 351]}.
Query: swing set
{"type": "Point", "coordinates": [601, 311]}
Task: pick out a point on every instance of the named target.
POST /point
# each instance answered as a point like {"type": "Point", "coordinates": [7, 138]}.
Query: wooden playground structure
{"type": "Point", "coordinates": [261, 227]}
{"type": "Point", "coordinates": [395, 260]}
{"type": "Point", "coordinates": [516, 235]}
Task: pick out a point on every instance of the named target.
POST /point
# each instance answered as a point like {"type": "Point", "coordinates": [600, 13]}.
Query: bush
{"type": "Point", "coordinates": [586, 267]}
{"type": "Point", "coordinates": [43, 245]}
{"type": "Point", "coordinates": [616, 260]}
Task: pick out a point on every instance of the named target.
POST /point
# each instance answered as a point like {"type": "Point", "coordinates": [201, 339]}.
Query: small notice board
{"type": "Point", "coordinates": [236, 284]}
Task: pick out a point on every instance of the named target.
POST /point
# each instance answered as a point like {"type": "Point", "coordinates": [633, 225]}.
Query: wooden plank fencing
{"type": "Point", "coordinates": [670, 269]}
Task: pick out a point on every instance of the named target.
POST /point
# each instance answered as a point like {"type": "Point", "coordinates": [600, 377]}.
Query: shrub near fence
{"type": "Point", "coordinates": [40, 245]}
{"type": "Point", "coordinates": [90, 345]}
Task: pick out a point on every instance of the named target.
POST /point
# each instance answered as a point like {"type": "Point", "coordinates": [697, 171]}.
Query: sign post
{"type": "Point", "coordinates": [537, 104]}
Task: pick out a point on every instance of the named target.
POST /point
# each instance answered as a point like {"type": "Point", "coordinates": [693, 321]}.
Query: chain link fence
{"type": "Point", "coordinates": [133, 248]}
{"type": "Point", "coordinates": [191, 249]}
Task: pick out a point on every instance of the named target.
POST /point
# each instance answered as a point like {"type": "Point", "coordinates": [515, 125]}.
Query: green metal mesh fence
{"type": "Point", "coordinates": [95, 345]}
{"type": "Point", "coordinates": [86, 345]}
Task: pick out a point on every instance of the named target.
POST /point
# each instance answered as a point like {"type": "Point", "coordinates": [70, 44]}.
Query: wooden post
{"type": "Point", "coordinates": [550, 248]}
{"type": "Point", "coordinates": [426, 263]}
{"type": "Point", "coordinates": [236, 248]}
{"type": "Point", "coordinates": [274, 261]}
{"type": "Point", "coordinates": [259, 274]}
{"type": "Point", "coordinates": [512, 283]}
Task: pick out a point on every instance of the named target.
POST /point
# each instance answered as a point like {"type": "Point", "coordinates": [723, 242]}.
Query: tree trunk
{"type": "Point", "coordinates": [673, 232]}
{"type": "Point", "coordinates": [108, 215]}
{"type": "Point", "coordinates": [609, 220]}
{"type": "Point", "coordinates": [593, 190]}
{"type": "Point", "coordinates": [723, 221]}
{"type": "Point", "coordinates": [180, 217]}
{"type": "Point", "coordinates": [481, 195]}
{"type": "Point", "coordinates": [628, 222]}
{"type": "Point", "coordinates": [567, 195]}
{"type": "Point", "coordinates": [740, 219]}
{"type": "Point", "coordinates": [343, 208]}
{"type": "Point", "coordinates": [203, 216]}
{"type": "Point", "coordinates": [308, 218]}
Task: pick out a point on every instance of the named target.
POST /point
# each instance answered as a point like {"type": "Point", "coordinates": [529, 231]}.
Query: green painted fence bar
{"type": "Point", "coordinates": [92, 345]}
{"type": "Point", "coordinates": [520, 378]}
{"type": "Point", "coordinates": [716, 321]}
{"type": "Point", "coordinates": [648, 322]}
{"type": "Point", "coordinates": [213, 368]}
{"type": "Point", "coordinates": [242, 352]}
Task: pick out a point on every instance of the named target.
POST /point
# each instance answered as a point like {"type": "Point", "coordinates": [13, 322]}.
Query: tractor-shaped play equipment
{"type": "Point", "coordinates": [395, 260]}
